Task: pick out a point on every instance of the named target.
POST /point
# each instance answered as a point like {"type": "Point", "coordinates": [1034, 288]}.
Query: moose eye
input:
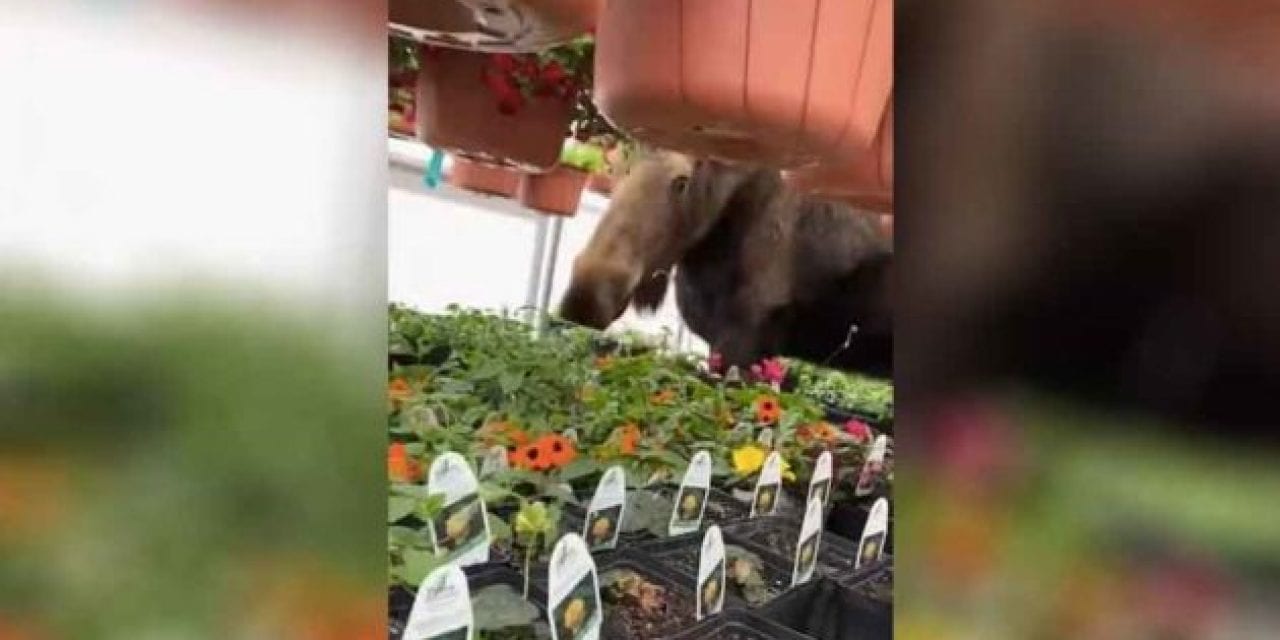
{"type": "Point", "coordinates": [679, 184]}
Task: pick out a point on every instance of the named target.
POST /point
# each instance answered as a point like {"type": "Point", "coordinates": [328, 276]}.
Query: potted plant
{"type": "Point", "coordinates": [495, 25]}
{"type": "Point", "coordinates": [484, 177]}
{"type": "Point", "coordinates": [777, 83]}
{"type": "Point", "coordinates": [559, 190]}
{"type": "Point", "coordinates": [403, 65]}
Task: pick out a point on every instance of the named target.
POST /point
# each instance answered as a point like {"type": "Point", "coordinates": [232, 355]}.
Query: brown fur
{"type": "Point", "coordinates": [756, 265]}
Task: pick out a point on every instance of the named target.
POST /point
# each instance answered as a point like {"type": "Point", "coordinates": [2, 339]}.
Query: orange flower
{"type": "Point", "coordinates": [628, 437]}
{"type": "Point", "coordinates": [821, 431]}
{"type": "Point", "coordinates": [398, 391]}
{"type": "Point", "coordinates": [502, 432]}
{"type": "Point", "coordinates": [664, 397]}
{"type": "Point", "coordinates": [530, 457]}
{"type": "Point", "coordinates": [767, 409]}
{"type": "Point", "coordinates": [558, 449]}
{"type": "Point", "coordinates": [401, 467]}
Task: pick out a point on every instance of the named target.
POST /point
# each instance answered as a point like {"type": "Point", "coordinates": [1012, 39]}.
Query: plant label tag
{"type": "Point", "coordinates": [571, 434]}
{"type": "Point", "coordinates": [807, 549]}
{"type": "Point", "coordinates": [765, 439]}
{"type": "Point", "coordinates": [691, 498]}
{"type": "Point", "coordinates": [461, 529]}
{"type": "Point", "coordinates": [733, 376]}
{"type": "Point", "coordinates": [604, 513]}
{"type": "Point", "coordinates": [820, 485]}
{"type": "Point", "coordinates": [494, 461]}
{"type": "Point", "coordinates": [442, 608]}
{"type": "Point", "coordinates": [871, 546]}
{"type": "Point", "coordinates": [573, 591]}
{"type": "Point", "coordinates": [765, 500]}
{"type": "Point", "coordinates": [711, 574]}
{"type": "Point", "coordinates": [872, 467]}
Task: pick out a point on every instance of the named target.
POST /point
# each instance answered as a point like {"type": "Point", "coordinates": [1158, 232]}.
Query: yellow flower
{"type": "Point", "coordinates": [748, 459]}
{"type": "Point", "coordinates": [787, 473]}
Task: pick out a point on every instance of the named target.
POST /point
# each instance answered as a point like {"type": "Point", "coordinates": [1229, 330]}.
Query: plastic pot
{"type": "Point", "coordinates": [777, 83]}
{"type": "Point", "coordinates": [484, 177]}
{"type": "Point", "coordinates": [848, 519]}
{"type": "Point", "coordinates": [681, 596]}
{"type": "Point", "coordinates": [775, 539]}
{"type": "Point", "coordinates": [738, 625]}
{"type": "Point", "coordinates": [400, 599]}
{"type": "Point", "coordinates": [876, 586]}
{"type": "Point", "coordinates": [497, 25]}
{"type": "Point", "coordinates": [825, 610]}
{"type": "Point", "coordinates": [680, 556]}
{"type": "Point", "coordinates": [457, 112]}
{"type": "Point", "coordinates": [556, 192]}
{"type": "Point", "coordinates": [600, 183]}
{"type": "Point", "coordinates": [864, 179]}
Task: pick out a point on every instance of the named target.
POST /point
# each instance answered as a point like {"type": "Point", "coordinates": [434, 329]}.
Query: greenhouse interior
{"type": "Point", "coordinates": [639, 349]}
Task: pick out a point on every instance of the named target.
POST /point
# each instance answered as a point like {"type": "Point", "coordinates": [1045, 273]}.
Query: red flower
{"type": "Point", "coordinates": [553, 73]}
{"type": "Point", "coordinates": [505, 61]}
{"type": "Point", "coordinates": [858, 429]}
{"type": "Point", "coordinates": [400, 466]}
{"type": "Point", "coordinates": [715, 362]}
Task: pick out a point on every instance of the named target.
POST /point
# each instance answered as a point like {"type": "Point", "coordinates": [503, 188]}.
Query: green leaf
{"type": "Point", "coordinates": [499, 607]}
{"type": "Point", "coordinates": [398, 507]}
{"type": "Point", "coordinates": [510, 381]}
{"type": "Point", "coordinates": [498, 528]}
{"type": "Point", "coordinates": [582, 466]}
{"type": "Point", "coordinates": [418, 563]}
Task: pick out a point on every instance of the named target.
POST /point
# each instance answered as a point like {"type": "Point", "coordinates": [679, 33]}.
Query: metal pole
{"type": "Point", "coordinates": [535, 269]}
{"type": "Point", "coordinates": [549, 272]}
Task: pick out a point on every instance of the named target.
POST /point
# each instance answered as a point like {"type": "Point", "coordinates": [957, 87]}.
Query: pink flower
{"type": "Point", "coordinates": [770, 370]}
{"type": "Point", "coordinates": [715, 362]}
{"type": "Point", "coordinates": [858, 430]}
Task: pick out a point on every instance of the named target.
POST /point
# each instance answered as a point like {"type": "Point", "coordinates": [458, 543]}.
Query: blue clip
{"type": "Point", "coordinates": [435, 169]}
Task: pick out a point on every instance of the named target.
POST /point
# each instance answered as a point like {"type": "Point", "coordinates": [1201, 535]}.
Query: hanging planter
{"type": "Point", "coordinates": [556, 192]}
{"type": "Point", "coordinates": [492, 25]}
{"type": "Point", "coordinates": [484, 177]}
{"type": "Point", "coordinates": [778, 83]}
{"type": "Point", "coordinates": [601, 183]}
{"type": "Point", "coordinates": [473, 103]}
{"type": "Point", "coordinates": [864, 181]}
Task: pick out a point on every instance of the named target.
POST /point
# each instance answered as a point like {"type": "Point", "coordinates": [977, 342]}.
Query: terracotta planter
{"type": "Point", "coordinates": [483, 177]}
{"type": "Point", "coordinates": [601, 183]}
{"type": "Point", "coordinates": [556, 192]}
{"type": "Point", "coordinates": [778, 82]}
{"type": "Point", "coordinates": [865, 181]}
{"type": "Point", "coordinates": [498, 25]}
{"type": "Point", "coordinates": [456, 112]}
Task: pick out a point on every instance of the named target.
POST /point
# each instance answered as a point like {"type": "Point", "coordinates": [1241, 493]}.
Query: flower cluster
{"type": "Point", "coordinates": [401, 467]}
{"type": "Point", "coordinates": [515, 78]}
{"type": "Point", "coordinates": [550, 451]}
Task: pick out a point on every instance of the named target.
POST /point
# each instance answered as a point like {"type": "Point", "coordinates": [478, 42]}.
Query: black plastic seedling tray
{"type": "Point", "coordinates": [722, 509]}
{"type": "Point", "coordinates": [400, 599]}
{"type": "Point", "coordinates": [776, 539]}
{"type": "Point", "coordinates": [876, 586]}
{"type": "Point", "coordinates": [679, 556]}
{"type": "Point", "coordinates": [681, 596]}
{"type": "Point", "coordinates": [825, 610]}
{"type": "Point", "coordinates": [848, 520]}
{"type": "Point", "coordinates": [739, 625]}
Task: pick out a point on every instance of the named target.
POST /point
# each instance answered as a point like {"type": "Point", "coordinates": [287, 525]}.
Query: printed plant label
{"type": "Point", "coordinates": [691, 499]}
{"type": "Point", "coordinates": [573, 591]}
{"type": "Point", "coordinates": [711, 574]}
{"type": "Point", "coordinates": [807, 549]}
{"type": "Point", "coordinates": [442, 608]}
{"type": "Point", "coordinates": [872, 467]}
{"type": "Point", "coordinates": [765, 500]}
{"type": "Point", "coordinates": [871, 546]}
{"type": "Point", "coordinates": [604, 514]}
{"type": "Point", "coordinates": [461, 528]}
{"type": "Point", "coordinates": [494, 461]}
{"type": "Point", "coordinates": [571, 434]}
{"type": "Point", "coordinates": [765, 439]}
{"type": "Point", "coordinates": [820, 485]}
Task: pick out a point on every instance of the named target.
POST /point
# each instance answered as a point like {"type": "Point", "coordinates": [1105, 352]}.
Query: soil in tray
{"type": "Point", "coordinates": [784, 543]}
{"type": "Point", "coordinates": [685, 560]}
{"type": "Point", "coordinates": [878, 588]}
{"type": "Point", "coordinates": [640, 609]}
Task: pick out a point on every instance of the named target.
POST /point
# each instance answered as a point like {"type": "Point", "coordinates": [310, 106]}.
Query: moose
{"type": "Point", "coordinates": [759, 269]}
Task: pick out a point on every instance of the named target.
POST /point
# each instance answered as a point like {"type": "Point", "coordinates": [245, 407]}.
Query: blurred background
{"type": "Point", "coordinates": [192, 319]}
{"type": "Point", "coordinates": [1089, 237]}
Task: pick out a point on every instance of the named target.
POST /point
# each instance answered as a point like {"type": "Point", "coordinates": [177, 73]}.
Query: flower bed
{"type": "Point", "coordinates": [551, 414]}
